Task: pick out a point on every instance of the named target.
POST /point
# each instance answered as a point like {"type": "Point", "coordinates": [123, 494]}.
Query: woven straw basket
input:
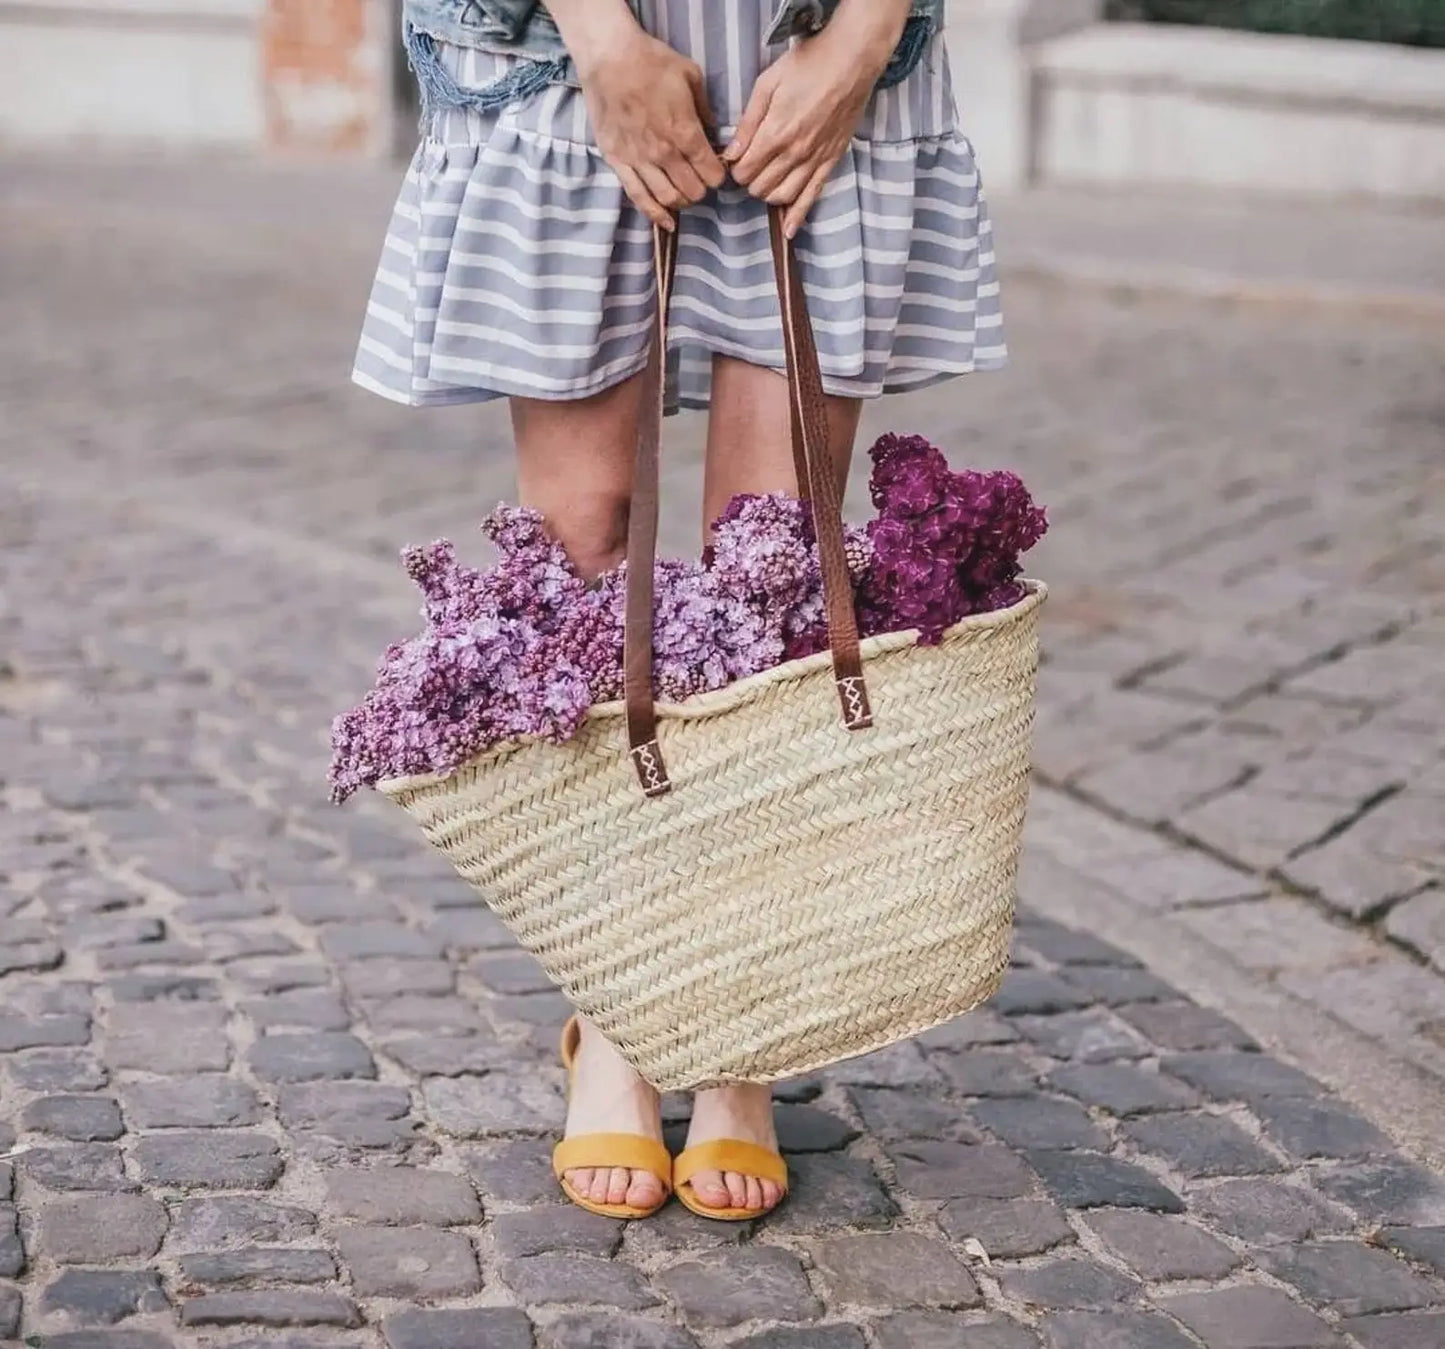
{"type": "Point", "coordinates": [801, 893]}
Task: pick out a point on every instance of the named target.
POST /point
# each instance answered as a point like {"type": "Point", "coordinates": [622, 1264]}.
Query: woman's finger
{"type": "Point", "coordinates": [798, 212]}
{"type": "Point", "coordinates": [745, 135]}
{"type": "Point", "coordinates": [661, 186]}
{"type": "Point", "coordinates": [770, 177]}
{"type": "Point", "coordinates": [684, 177]}
{"type": "Point", "coordinates": [641, 198]}
{"type": "Point", "coordinates": [703, 158]}
{"type": "Point", "coordinates": [791, 188]}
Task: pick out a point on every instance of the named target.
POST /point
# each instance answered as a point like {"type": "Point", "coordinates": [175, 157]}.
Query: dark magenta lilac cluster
{"type": "Point", "coordinates": [526, 647]}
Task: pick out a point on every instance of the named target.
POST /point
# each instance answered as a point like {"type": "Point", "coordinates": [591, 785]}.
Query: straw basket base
{"type": "Point", "coordinates": [803, 894]}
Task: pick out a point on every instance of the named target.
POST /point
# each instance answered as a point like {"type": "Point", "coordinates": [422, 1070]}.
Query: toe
{"type": "Point", "coordinates": [755, 1193]}
{"type": "Point", "coordinates": [708, 1186]}
{"type": "Point", "coordinates": [772, 1194]}
{"type": "Point", "coordinates": [580, 1180]}
{"type": "Point", "coordinates": [737, 1186]}
{"type": "Point", "coordinates": [645, 1190]}
{"type": "Point", "coordinates": [618, 1182]}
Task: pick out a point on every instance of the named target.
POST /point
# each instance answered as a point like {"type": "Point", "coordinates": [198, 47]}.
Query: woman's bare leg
{"type": "Point", "coordinates": [749, 445]}
{"type": "Point", "coordinates": [749, 449]}
{"type": "Point", "coordinates": [574, 464]}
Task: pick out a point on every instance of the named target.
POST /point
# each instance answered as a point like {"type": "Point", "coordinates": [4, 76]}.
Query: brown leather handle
{"type": "Point", "coordinates": [817, 484]}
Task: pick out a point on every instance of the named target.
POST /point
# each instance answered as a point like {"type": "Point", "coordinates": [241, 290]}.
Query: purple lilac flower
{"type": "Point", "coordinates": [526, 647]}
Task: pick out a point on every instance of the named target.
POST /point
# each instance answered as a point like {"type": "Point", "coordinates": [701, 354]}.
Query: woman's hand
{"type": "Point", "coordinates": [805, 107]}
{"type": "Point", "coordinates": [648, 107]}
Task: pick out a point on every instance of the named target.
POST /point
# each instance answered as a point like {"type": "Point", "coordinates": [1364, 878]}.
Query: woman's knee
{"type": "Point", "coordinates": [574, 464]}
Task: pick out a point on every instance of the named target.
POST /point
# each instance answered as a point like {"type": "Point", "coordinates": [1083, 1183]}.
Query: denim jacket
{"type": "Point", "coordinates": [524, 28]}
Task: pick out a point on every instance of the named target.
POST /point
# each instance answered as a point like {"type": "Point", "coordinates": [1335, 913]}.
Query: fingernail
{"type": "Point", "coordinates": [731, 152]}
{"type": "Point", "coordinates": [791, 231]}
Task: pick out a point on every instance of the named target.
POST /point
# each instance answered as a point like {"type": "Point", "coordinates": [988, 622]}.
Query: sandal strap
{"type": "Point", "coordinates": [571, 1038]}
{"type": "Point", "coordinates": [633, 1151]}
{"type": "Point", "coordinates": [730, 1154]}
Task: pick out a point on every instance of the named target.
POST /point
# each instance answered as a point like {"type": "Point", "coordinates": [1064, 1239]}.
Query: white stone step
{"type": "Point", "coordinates": [1137, 104]}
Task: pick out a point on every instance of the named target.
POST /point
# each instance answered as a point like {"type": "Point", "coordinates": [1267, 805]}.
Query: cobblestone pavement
{"type": "Point", "coordinates": [269, 1075]}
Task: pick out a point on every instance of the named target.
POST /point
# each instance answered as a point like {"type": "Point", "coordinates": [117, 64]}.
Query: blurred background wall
{"type": "Point", "coordinates": [1267, 95]}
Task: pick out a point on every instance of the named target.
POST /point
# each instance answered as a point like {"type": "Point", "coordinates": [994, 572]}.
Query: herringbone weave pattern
{"type": "Point", "coordinates": [804, 893]}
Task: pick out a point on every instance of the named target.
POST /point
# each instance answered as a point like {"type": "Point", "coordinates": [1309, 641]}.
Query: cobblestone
{"type": "Point", "coordinates": [1423, 1245]}
{"type": "Point", "coordinates": [961, 1171]}
{"type": "Point", "coordinates": [1123, 1089]}
{"type": "Point", "coordinates": [308, 1058]}
{"type": "Point", "coordinates": [1090, 1180]}
{"type": "Point", "coordinates": [287, 998]}
{"type": "Point", "coordinates": [556, 1228]}
{"type": "Point", "coordinates": [419, 1263]}
{"type": "Point", "coordinates": [1354, 1280]}
{"type": "Point", "coordinates": [236, 1220]}
{"type": "Point", "coordinates": [204, 1101]}
{"type": "Point", "coordinates": [82, 1119]}
{"type": "Point", "coordinates": [274, 1307]}
{"type": "Point", "coordinates": [495, 1327]}
{"type": "Point", "coordinates": [578, 1279]}
{"type": "Point", "coordinates": [1309, 1129]}
{"type": "Point", "coordinates": [87, 1166]}
{"type": "Point", "coordinates": [1158, 1248]}
{"type": "Point", "coordinates": [214, 1158]}
{"type": "Point", "coordinates": [727, 1288]}
{"type": "Point", "coordinates": [403, 1195]}
{"type": "Point", "coordinates": [1112, 1330]}
{"type": "Point", "coordinates": [1006, 1228]}
{"type": "Point", "coordinates": [103, 1297]}
{"type": "Point", "coordinates": [101, 1228]}
{"type": "Point", "coordinates": [260, 1265]}
{"type": "Point", "coordinates": [1250, 1318]}
{"type": "Point", "coordinates": [944, 1330]}
{"type": "Point", "coordinates": [1069, 1283]}
{"type": "Point", "coordinates": [895, 1269]}
{"type": "Point", "coordinates": [1197, 1144]}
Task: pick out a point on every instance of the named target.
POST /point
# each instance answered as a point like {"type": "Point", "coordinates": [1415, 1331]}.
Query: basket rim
{"type": "Point", "coordinates": [716, 701]}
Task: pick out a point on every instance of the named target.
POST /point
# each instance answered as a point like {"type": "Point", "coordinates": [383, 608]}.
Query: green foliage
{"type": "Point", "coordinates": [1419, 23]}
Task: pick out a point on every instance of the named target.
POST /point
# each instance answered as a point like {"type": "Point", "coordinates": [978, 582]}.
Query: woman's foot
{"type": "Point", "coordinates": [608, 1097]}
{"type": "Point", "coordinates": [741, 1112]}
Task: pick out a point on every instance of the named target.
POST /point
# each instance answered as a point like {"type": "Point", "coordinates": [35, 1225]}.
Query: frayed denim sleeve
{"type": "Point", "coordinates": [798, 18]}
{"type": "Point", "coordinates": [917, 34]}
{"type": "Point", "coordinates": [485, 20]}
{"type": "Point", "coordinates": [439, 90]}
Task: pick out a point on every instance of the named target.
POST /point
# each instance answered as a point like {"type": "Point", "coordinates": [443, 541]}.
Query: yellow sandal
{"type": "Point", "coordinates": [728, 1154]}
{"type": "Point", "coordinates": [634, 1151]}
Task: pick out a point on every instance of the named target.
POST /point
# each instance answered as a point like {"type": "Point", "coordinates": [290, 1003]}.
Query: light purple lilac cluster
{"type": "Point", "coordinates": [527, 647]}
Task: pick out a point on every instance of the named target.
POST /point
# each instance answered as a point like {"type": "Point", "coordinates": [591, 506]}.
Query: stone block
{"type": "Point", "coordinates": [210, 1158]}
{"type": "Point", "coordinates": [1198, 1144]}
{"type": "Point", "coordinates": [1068, 1283]}
{"type": "Point", "coordinates": [1250, 1317]}
{"type": "Point", "coordinates": [725, 1288]}
{"type": "Point", "coordinates": [231, 1221]}
{"type": "Point", "coordinates": [1122, 1089]}
{"type": "Point", "coordinates": [1090, 1180]}
{"type": "Point", "coordinates": [462, 1328]}
{"type": "Point", "coordinates": [416, 1263]}
{"type": "Point", "coordinates": [1006, 1228]}
{"type": "Point", "coordinates": [100, 1229]}
{"type": "Point", "coordinates": [894, 1269]}
{"type": "Point", "coordinates": [403, 1195]}
{"type": "Point", "coordinates": [960, 1170]}
{"type": "Point", "coordinates": [1159, 1248]}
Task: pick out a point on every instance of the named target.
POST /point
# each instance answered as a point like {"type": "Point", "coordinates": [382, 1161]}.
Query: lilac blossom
{"type": "Point", "coordinates": [525, 648]}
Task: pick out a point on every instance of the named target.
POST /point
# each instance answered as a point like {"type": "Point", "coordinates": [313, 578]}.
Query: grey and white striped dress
{"type": "Point", "coordinates": [515, 265]}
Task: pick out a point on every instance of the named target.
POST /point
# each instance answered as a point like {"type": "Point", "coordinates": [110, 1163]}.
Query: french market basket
{"type": "Point", "coordinates": [802, 890]}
